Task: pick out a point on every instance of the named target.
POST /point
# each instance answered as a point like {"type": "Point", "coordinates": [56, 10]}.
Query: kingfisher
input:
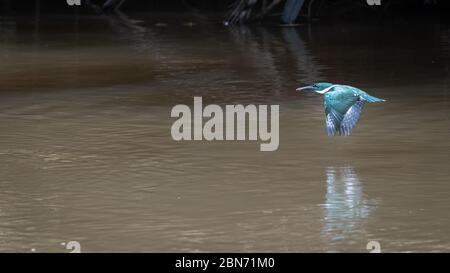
{"type": "Point", "coordinates": [343, 105]}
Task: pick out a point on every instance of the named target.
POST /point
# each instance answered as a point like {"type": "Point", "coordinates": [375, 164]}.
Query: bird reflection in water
{"type": "Point", "coordinates": [346, 208]}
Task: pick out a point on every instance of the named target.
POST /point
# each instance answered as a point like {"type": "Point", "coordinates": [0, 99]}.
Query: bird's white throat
{"type": "Point", "coordinates": [326, 89]}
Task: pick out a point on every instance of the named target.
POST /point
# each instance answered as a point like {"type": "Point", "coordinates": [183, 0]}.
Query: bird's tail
{"type": "Point", "coordinates": [369, 98]}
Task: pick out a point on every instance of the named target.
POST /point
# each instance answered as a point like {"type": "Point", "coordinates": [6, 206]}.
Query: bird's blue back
{"type": "Point", "coordinates": [343, 106]}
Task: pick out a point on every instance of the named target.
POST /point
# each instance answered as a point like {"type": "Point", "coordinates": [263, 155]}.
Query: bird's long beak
{"type": "Point", "coordinates": [305, 88]}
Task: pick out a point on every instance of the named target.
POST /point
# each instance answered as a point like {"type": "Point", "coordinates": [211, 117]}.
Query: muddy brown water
{"type": "Point", "coordinates": [86, 153]}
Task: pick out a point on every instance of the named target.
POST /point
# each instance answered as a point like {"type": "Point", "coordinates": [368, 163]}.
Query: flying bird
{"type": "Point", "coordinates": [343, 105]}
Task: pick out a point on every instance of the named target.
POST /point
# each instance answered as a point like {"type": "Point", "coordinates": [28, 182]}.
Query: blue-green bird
{"type": "Point", "coordinates": [343, 105]}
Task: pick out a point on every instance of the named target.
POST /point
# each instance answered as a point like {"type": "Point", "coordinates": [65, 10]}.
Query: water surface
{"type": "Point", "coordinates": [86, 153]}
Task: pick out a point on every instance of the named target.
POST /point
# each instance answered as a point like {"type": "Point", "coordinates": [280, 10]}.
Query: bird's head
{"type": "Point", "coordinates": [317, 87]}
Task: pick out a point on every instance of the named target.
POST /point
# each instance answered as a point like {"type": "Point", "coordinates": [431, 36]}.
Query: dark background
{"type": "Point", "coordinates": [351, 9]}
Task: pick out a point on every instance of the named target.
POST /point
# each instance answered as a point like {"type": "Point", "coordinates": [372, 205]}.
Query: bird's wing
{"type": "Point", "coordinates": [339, 104]}
{"type": "Point", "coordinates": [333, 119]}
{"type": "Point", "coordinates": [351, 118]}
